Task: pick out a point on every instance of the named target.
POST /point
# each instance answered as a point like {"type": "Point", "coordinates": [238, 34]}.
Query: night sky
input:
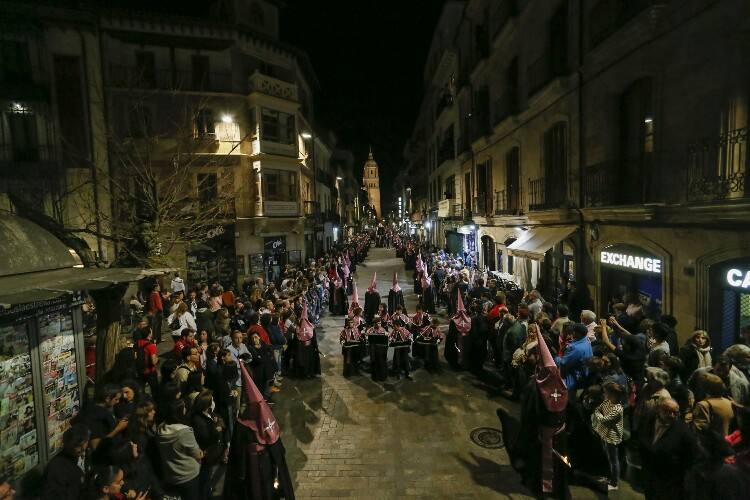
{"type": "Point", "coordinates": [369, 56]}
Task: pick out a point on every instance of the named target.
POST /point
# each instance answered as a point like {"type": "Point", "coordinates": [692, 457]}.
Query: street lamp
{"type": "Point", "coordinates": [227, 118]}
{"type": "Point", "coordinates": [306, 136]}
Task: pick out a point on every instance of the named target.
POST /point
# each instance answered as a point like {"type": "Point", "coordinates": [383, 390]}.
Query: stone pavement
{"type": "Point", "coordinates": [355, 438]}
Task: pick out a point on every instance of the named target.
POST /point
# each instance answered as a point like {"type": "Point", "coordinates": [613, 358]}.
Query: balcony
{"type": "Point", "coordinates": [505, 106]}
{"type": "Point", "coordinates": [273, 208]}
{"type": "Point", "coordinates": [717, 168]}
{"type": "Point", "coordinates": [545, 194]}
{"type": "Point", "coordinates": [444, 207]}
{"type": "Point", "coordinates": [457, 211]}
{"type": "Point", "coordinates": [506, 203]}
{"type": "Point", "coordinates": [273, 87]}
{"type": "Point", "coordinates": [629, 181]}
{"type": "Point", "coordinates": [26, 168]}
{"type": "Point", "coordinates": [132, 77]}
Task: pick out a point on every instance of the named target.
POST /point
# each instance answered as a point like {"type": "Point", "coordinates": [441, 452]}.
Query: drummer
{"type": "Point", "coordinates": [377, 338]}
{"type": "Point", "coordinates": [429, 338]}
{"type": "Point", "coordinates": [350, 339]}
{"type": "Point", "coordinates": [400, 340]}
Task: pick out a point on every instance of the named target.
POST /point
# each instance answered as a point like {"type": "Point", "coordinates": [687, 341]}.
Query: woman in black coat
{"type": "Point", "coordinates": [209, 433]}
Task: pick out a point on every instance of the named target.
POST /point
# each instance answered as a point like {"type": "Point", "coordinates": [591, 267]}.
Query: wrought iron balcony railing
{"type": "Point", "coordinates": [545, 193]}
{"type": "Point", "coordinates": [717, 168]}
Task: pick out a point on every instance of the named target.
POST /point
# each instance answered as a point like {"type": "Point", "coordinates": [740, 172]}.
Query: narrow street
{"type": "Point", "coordinates": [400, 439]}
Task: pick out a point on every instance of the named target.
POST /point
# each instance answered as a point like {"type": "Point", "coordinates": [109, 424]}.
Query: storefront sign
{"type": "Point", "coordinates": [636, 262]}
{"type": "Point", "coordinates": [214, 232]}
{"type": "Point", "coordinates": [738, 279]}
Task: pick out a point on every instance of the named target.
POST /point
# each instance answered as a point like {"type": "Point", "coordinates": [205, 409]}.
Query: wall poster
{"type": "Point", "coordinates": [59, 374]}
{"type": "Point", "coordinates": [19, 451]}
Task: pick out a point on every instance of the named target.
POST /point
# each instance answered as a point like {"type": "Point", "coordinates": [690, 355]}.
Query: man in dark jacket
{"type": "Point", "coordinates": [667, 449]}
{"type": "Point", "coordinates": [63, 477]}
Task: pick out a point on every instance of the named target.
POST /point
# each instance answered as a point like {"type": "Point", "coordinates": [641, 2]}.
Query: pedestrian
{"type": "Point", "coordinates": [156, 311]}
{"type": "Point", "coordinates": [607, 423]}
{"type": "Point", "coordinates": [181, 455]}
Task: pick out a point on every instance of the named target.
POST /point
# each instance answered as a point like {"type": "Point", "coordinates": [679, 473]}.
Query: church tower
{"type": "Point", "coordinates": [371, 183]}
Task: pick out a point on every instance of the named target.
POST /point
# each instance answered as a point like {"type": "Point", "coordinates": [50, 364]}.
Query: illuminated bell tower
{"type": "Point", "coordinates": [371, 182]}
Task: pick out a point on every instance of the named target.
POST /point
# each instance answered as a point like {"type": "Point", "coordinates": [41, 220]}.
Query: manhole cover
{"type": "Point", "coordinates": [487, 437]}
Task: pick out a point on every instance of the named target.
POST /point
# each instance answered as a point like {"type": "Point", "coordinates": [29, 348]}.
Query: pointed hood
{"type": "Point", "coordinates": [257, 416]}
{"type": "Point", "coordinates": [355, 299]}
{"type": "Point", "coordinates": [419, 265]}
{"type": "Point", "coordinates": [461, 319]}
{"type": "Point", "coordinates": [549, 383]}
{"type": "Point", "coordinates": [395, 286]}
{"type": "Point", "coordinates": [426, 281]}
{"type": "Point", "coordinates": [305, 328]}
{"type": "Point", "coordinates": [374, 284]}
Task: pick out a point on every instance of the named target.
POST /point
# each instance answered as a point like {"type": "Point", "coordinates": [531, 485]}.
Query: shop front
{"type": "Point", "coordinates": [543, 258]}
{"type": "Point", "coordinates": [631, 275]}
{"type": "Point", "coordinates": [728, 301]}
{"type": "Point", "coordinates": [213, 260]}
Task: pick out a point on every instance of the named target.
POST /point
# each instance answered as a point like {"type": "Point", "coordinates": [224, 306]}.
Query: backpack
{"type": "Point", "coordinates": [175, 323]}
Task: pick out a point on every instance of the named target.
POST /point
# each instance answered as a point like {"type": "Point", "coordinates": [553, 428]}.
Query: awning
{"type": "Point", "coordinates": [46, 285]}
{"type": "Point", "coordinates": [536, 241]}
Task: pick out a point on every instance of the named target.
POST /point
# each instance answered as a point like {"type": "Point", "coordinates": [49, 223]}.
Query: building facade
{"type": "Point", "coordinates": [51, 114]}
{"type": "Point", "coordinates": [592, 147]}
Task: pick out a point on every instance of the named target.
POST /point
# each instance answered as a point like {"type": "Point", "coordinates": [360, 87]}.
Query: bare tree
{"type": "Point", "coordinates": [168, 182]}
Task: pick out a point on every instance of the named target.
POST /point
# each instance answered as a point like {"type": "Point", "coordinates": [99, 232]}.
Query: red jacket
{"type": "Point", "coordinates": [154, 303]}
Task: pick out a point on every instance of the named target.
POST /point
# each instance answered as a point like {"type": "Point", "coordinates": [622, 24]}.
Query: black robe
{"type": "Point", "coordinates": [522, 441]}
{"type": "Point", "coordinates": [378, 357]}
{"type": "Point", "coordinates": [475, 344]}
{"type": "Point", "coordinates": [250, 474]}
{"type": "Point", "coordinates": [428, 299]}
{"type": "Point", "coordinates": [372, 302]}
{"type": "Point", "coordinates": [417, 283]}
{"type": "Point", "coordinates": [451, 346]}
{"type": "Point", "coordinates": [306, 362]}
{"type": "Point", "coordinates": [396, 299]}
{"type": "Point", "coordinates": [340, 303]}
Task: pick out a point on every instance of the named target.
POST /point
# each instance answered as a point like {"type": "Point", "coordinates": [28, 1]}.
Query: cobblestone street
{"type": "Point", "coordinates": [400, 439]}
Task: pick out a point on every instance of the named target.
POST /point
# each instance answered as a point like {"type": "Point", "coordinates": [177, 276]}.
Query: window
{"type": "Point", "coordinates": [450, 187]}
{"type": "Point", "coordinates": [483, 186]}
{"type": "Point", "coordinates": [512, 179]}
{"type": "Point", "coordinates": [200, 72]}
{"type": "Point", "coordinates": [146, 68]}
{"type": "Point", "coordinates": [140, 122]}
{"type": "Point", "coordinates": [207, 188]}
{"type": "Point", "coordinates": [277, 126]}
{"type": "Point", "coordinates": [23, 136]}
{"type": "Point", "coordinates": [71, 109]}
{"type": "Point", "coordinates": [555, 164]}
{"type": "Point", "coordinates": [15, 63]}
{"type": "Point", "coordinates": [636, 141]}
{"type": "Point", "coordinates": [204, 124]}
{"type": "Point", "coordinates": [279, 185]}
